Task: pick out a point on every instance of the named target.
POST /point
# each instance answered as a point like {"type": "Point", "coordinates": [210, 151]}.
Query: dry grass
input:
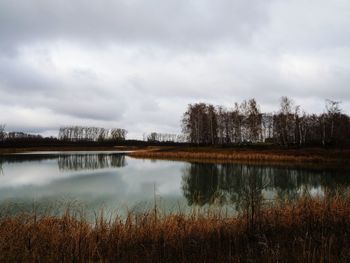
{"type": "Point", "coordinates": [315, 156]}
{"type": "Point", "coordinates": [310, 230]}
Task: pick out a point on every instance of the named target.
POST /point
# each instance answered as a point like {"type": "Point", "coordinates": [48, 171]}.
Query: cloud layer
{"type": "Point", "coordinates": [137, 64]}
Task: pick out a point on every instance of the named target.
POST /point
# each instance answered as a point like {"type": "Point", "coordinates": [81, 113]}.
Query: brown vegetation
{"type": "Point", "coordinates": [310, 156]}
{"type": "Point", "coordinates": [310, 230]}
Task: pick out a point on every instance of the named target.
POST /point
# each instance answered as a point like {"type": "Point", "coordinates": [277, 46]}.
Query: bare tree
{"type": "Point", "coordinates": [80, 133]}
{"type": "Point", "coordinates": [212, 124]}
{"type": "Point", "coordinates": [333, 111]}
{"type": "Point", "coordinates": [266, 126]}
{"type": "Point", "coordinates": [2, 132]}
{"type": "Point", "coordinates": [237, 120]}
{"type": "Point", "coordinates": [253, 121]}
{"type": "Point", "coordinates": [204, 124]}
{"type": "Point", "coordinates": [285, 122]}
{"type": "Point", "coordinates": [118, 134]}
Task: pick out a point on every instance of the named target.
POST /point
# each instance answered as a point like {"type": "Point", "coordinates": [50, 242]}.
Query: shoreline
{"type": "Point", "coordinates": [4, 151]}
{"type": "Point", "coordinates": [312, 156]}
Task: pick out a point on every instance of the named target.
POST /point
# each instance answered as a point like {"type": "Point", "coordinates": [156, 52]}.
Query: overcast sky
{"type": "Point", "coordinates": [136, 64]}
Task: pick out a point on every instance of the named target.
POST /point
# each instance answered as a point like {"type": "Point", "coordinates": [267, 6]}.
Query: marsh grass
{"type": "Point", "coordinates": [311, 156]}
{"type": "Point", "coordinates": [312, 229]}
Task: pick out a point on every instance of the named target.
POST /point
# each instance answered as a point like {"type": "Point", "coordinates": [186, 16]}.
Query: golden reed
{"type": "Point", "coordinates": [297, 156]}
{"type": "Point", "coordinates": [309, 230]}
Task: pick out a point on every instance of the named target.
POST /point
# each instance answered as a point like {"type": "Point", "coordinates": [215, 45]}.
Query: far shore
{"type": "Point", "coordinates": [68, 149]}
{"type": "Point", "coordinates": [318, 156]}
{"type": "Point", "coordinates": [213, 153]}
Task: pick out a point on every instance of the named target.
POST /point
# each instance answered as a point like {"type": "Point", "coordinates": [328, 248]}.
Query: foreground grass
{"type": "Point", "coordinates": [312, 155]}
{"type": "Point", "coordinates": [310, 230]}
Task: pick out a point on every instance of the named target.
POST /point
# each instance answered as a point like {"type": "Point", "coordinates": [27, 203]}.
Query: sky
{"type": "Point", "coordinates": [137, 64]}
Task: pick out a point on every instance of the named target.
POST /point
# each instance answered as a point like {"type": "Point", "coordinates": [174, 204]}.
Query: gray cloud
{"type": "Point", "coordinates": [175, 22]}
{"type": "Point", "coordinates": [137, 64]}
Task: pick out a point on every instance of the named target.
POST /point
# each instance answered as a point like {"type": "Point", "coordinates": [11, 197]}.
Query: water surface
{"type": "Point", "coordinates": [116, 182]}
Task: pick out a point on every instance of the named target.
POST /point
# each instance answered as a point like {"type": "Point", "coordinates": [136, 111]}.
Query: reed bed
{"type": "Point", "coordinates": [309, 230]}
{"type": "Point", "coordinates": [249, 156]}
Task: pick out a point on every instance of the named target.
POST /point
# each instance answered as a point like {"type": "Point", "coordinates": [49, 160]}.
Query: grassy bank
{"type": "Point", "coordinates": [310, 230]}
{"type": "Point", "coordinates": [309, 155]}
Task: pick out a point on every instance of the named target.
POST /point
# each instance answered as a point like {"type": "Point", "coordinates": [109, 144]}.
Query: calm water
{"type": "Point", "coordinates": [116, 182]}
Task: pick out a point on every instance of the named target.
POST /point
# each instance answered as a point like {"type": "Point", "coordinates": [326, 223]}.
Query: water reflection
{"type": "Point", "coordinates": [93, 180]}
{"type": "Point", "coordinates": [70, 162]}
{"type": "Point", "coordinates": [90, 161]}
{"type": "Point", "coordinates": [236, 183]}
{"type": "Point", "coordinates": [1, 170]}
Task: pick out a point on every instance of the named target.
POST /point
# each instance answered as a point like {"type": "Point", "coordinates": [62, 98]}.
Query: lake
{"type": "Point", "coordinates": [114, 182]}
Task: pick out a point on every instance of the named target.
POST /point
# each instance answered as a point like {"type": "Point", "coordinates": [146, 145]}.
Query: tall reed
{"type": "Point", "coordinates": [309, 230]}
{"type": "Point", "coordinates": [250, 156]}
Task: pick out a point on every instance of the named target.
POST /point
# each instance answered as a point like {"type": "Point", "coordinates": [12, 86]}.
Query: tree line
{"type": "Point", "coordinates": [16, 135]}
{"type": "Point", "coordinates": [164, 137]}
{"type": "Point", "coordinates": [206, 124]}
{"type": "Point", "coordinates": [82, 133]}
{"type": "Point", "coordinates": [244, 123]}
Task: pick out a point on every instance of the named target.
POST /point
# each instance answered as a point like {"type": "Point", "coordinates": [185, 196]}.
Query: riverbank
{"type": "Point", "coordinates": [215, 154]}
{"type": "Point", "coordinates": [69, 149]}
{"type": "Point", "coordinates": [310, 230]}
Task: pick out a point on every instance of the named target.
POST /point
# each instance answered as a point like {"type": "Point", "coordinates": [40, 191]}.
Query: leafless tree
{"type": "Point", "coordinates": [80, 133]}
{"type": "Point", "coordinates": [2, 132]}
{"type": "Point", "coordinates": [253, 121]}
{"type": "Point", "coordinates": [205, 124]}
{"type": "Point", "coordinates": [333, 112]}
{"type": "Point", "coordinates": [285, 122]}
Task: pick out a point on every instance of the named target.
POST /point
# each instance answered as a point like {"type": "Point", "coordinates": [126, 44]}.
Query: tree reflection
{"type": "Point", "coordinates": [200, 183]}
{"type": "Point", "coordinates": [70, 162]}
{"type": "Point", "coordinates": [78, 162]}
{"type": "Point", "coordinates": [246, 185]}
